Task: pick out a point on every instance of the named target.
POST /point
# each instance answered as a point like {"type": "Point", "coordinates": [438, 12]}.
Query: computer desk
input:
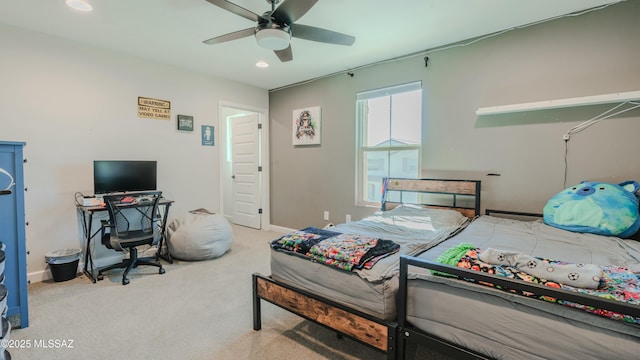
{"type": "Point", "coordinates": [86, 212]}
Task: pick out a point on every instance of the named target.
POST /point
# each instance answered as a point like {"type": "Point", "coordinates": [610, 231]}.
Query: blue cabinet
{"type": "Point", "coordinates": [12, 229]}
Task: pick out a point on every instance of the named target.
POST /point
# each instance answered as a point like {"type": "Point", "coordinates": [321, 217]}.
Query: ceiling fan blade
{"type": "Point", "coordinates": [285, 54]}
{"type": "Point", "coordinates": [231, 36]}
{"type": "Point", "coordinates": [321, 35]}
{"type": "Point", "coordinates": [236, 9]}
{"type": "Point", "coordinates": [292, 10]}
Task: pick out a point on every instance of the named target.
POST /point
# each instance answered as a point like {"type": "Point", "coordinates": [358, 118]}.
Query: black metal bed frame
{"type": "Point", "coordinates": [379, 334]}
{"type": "Point", "coordinates": [445, 187]}
{"type": "Point", "coordinates": [345, 321]}
{"type": "Point", "coordinates": [393, 338]}
{"type": "Point", "coordinates": [407, 333]}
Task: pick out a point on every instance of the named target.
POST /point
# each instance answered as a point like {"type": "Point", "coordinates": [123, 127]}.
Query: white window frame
{"type": "Point", "coordinates": [361, 149]}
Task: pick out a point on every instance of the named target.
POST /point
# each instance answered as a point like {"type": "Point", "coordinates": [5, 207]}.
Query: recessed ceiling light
{"type": "Point", "coordinates": [80, 5]}
{"type": "Point", "coordinates": [262, 64]}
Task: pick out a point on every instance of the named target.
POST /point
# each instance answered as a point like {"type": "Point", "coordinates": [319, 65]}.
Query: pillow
{"type": "Point", "coordinates": [596, 207]}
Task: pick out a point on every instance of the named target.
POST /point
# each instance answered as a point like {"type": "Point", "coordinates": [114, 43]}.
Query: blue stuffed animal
{"type": "Point", "coordinates": [595, 207]}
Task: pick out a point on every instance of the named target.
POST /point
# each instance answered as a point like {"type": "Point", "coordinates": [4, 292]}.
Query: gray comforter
{"type": "Point", "coordinates": [415, 229]}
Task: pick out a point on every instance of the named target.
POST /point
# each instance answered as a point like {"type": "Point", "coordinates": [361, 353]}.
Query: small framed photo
{"type": "Point", "coordinates": [185, 122]}
{"type": "Point", "coordinates": [207, 135]}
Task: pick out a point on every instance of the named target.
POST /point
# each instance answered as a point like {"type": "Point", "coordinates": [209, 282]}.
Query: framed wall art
{"type": "Point", "coordinates": [185, 122]}
{"type": "Point", "coordinates": [306, 126]}
{"type": "Point", "coordinates": [207, 135]}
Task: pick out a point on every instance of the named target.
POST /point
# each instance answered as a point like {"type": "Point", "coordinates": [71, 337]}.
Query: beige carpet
{"type": "Point", "coordinates": [196, 310]}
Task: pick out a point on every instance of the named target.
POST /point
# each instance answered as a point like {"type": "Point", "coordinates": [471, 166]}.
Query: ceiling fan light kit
{"type": "Point", "coordinates": [80, 5]}
{"type": "Point", "coordinates": [273, 39]}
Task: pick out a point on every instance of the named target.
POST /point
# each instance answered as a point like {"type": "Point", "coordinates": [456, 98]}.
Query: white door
{"type": "Point", "coordinates": [245, 162]}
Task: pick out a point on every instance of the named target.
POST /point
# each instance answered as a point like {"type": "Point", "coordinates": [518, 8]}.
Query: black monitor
{"type": "Point", "coordinates": [114, 176]}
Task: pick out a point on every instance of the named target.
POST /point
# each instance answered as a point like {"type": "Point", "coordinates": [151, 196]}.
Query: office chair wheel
{"type": "Point", "coordinates": [125, 281]}
{"type": "Point", "coordinates": [161, 271]}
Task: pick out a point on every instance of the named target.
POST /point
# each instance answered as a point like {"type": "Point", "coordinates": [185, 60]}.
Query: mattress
{"type": "Point", "coordinates": [371, 291]}
{"type": "Point", "coordinates": [508, 326]}
{"type": "Point", "coordinates": [374, 298]}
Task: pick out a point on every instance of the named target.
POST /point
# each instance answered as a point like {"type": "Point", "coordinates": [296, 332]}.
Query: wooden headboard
{"type": "Point", "coordinates": [436, 193]}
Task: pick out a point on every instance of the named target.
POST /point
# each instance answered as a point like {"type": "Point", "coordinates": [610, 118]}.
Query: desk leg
{"type": "Point", "coordinates": [88, 259]}
{"type": "Point", "coordinates": [166, 255]}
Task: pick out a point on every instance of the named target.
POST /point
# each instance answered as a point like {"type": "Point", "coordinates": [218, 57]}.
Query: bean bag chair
{"type": "Point", "coordinates": [199, 235]}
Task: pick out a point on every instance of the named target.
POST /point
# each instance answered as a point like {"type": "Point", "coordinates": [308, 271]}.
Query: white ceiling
{"type": "Point", "coordinates": [172, 31]}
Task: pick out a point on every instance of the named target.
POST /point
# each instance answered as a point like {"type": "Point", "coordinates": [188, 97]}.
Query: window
{"type": "Point", "coordinates": [389, 137]}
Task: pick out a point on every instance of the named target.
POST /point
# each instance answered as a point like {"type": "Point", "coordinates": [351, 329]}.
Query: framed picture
{"type": "Point", "coordinates": [185, 122]}
{"type": "Point", "coordinates": [207, 135]}
{"type": "Point", "coordinates": [306, 126]}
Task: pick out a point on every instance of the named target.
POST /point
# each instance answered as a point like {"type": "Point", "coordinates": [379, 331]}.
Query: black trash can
{"type": "Point", "coordinates": [64, 264]}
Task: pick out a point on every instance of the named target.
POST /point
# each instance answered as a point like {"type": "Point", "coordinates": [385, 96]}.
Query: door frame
{"type": "Point", "coordinates": [225, 176]}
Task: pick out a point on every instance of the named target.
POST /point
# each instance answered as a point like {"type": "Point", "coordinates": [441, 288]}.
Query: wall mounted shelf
{"type": "Point", "coordinates": [622, 97]}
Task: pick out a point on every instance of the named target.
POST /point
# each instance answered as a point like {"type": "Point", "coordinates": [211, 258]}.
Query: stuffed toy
{"type": "Point", "coordinates": [596, 207]}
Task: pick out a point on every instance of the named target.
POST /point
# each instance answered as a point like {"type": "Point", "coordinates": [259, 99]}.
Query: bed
{"type": "Point", "coordinates": [362, 304]}
{"type": "Point", "coordinates": [467, 319]}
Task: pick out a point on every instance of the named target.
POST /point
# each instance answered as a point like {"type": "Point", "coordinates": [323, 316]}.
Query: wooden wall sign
{"type": "Point", "coordinates": [154, 108]}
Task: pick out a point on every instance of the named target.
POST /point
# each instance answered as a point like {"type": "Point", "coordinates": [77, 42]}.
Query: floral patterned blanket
{"type": "Point", "coordinates": [617, 283]}
{"type": "Point", "coordinates": [300, 241]}
{"type": "Point", "coordinates": [343, 251]}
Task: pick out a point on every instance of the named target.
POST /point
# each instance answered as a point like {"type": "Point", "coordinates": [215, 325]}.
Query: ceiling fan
{"type": "Point", "coordinates": [275, 28]}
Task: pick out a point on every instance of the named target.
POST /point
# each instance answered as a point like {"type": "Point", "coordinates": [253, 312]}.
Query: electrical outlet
{"type": "Point", "coordinates": [347, 218]}
{"type": "Point", "coordinates": [326, 216]}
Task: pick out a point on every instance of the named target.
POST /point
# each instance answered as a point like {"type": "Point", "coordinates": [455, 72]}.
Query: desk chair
{"type": "Point", "coordinates": [121, 238]}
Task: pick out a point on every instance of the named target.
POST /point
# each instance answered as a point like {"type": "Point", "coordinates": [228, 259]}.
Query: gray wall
{"type": "Point", "coordinates": [592, 54]}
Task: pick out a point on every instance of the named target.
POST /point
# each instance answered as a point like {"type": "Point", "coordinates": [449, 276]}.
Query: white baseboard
{"type": "Point", "coordinates": [279, 229]}
{"type": "Point", "coordinates": [45, 275]}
